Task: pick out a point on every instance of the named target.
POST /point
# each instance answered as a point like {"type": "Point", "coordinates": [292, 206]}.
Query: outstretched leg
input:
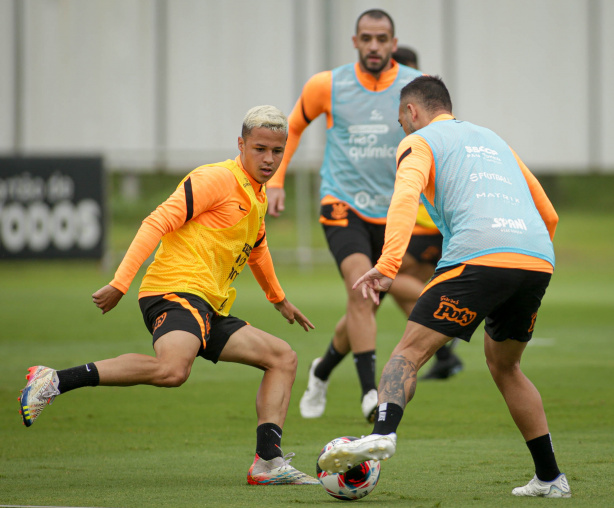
{"type": "Point", "coordinates": [175, 353]}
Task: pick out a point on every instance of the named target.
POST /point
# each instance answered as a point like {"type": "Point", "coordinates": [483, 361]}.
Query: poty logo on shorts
{"type": "Point", "coordinates": [450, 312]}
{"type": "Point", "coordinates": [499, 222]}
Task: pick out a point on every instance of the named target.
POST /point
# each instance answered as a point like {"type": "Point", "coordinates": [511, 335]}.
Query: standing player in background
{"type": "Point", "coordinates": [497, 262]}
{"type": "Point", "coordinates": [423, 254]}
{"type": "Point", "coordinates": [360, 102]}
{"type": "Point", "coordinates": [211, 227]}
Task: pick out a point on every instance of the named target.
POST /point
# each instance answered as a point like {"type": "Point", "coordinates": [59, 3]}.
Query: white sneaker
{"type": "Point", "coordinates": [40, 391]}
{"type": "Point", "coordinates": [369, 405]}
{"type": "Point", "coordinates": [345, 456]}
{"type": "Point", "coordinates": [277, 471]}
{"type": "Point", "coordinates": [537, 488]}
{"type": "Point", "coordinates": [313, 401]}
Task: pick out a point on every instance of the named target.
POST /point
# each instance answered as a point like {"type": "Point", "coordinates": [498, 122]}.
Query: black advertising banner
{"type": "Point", "coordinates": [51, 208]}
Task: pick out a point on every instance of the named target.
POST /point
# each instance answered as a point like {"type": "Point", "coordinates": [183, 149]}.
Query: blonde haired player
{"type": "Point", "coordinates": [210, 228]}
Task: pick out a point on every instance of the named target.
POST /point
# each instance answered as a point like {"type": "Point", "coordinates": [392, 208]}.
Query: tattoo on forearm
{"type": "Point", "coordinates": [398, 381]}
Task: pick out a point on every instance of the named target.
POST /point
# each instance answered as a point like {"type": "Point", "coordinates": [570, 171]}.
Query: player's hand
{"type": "Point", "coordinates": [106, 298]}
{"type": "Point", "coordinates": [277, 200]}
{"type": "Point", "coordinates": [371, 283]}
{"type": "Point", "coordinates": [292, 314]}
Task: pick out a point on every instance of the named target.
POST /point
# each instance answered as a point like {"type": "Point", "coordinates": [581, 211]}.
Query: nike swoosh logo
{"type": "Point", "coordinates": [243, 209]}
{"type": "Point", "coordinates": [87, 367]}
{"type": "Point", "coordinates": [276, 433]}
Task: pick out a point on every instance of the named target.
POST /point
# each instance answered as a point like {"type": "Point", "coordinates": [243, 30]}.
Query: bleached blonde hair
{"type": "Point", "coordinates": [265, 116]}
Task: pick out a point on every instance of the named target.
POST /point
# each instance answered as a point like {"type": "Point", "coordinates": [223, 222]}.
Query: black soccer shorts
{"type": "Point", "coordinates": [347, 233]}
{"type": "Point", "coordinates": [189, 313]}
{"type": "Point", "coordinates": [426, 248]}
{"type": "Point", "coordinates": [457, 299]}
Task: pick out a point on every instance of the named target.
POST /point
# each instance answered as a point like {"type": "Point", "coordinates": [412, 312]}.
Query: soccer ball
{"type": "Point", "coordinates": [354, 483]}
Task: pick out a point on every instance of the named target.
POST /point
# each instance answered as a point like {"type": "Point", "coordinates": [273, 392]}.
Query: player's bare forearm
{"type": "Point", "coordinates": [398, 381]}
{"type": "Point", "coordinates": [106, 298]}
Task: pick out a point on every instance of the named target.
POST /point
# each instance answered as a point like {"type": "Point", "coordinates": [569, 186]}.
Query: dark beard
{"type": "Point", "coordinates": [374, 70]}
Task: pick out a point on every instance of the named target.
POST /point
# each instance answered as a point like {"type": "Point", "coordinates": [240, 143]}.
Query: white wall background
{"type": "Point", "coordinates": [155, 83]}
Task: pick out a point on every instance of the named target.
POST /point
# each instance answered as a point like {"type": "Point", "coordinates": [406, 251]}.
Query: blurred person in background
{"type": "Point", "coordinates": [360, 102]}
{"type": "Point", "coordinates": [210, 228]}
{"type": "Point", "coordinates": [498, 258]}
{"type": "Point", "coordinates": [406, 56]}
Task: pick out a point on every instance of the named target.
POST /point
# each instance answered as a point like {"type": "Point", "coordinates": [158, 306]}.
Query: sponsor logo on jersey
{"type": "Point", "coordinates": [483, 152]}
{"type": "Point", "coordinates": [508, 224]}
{"type": "Point", "coordinates": [363, 200]}
{"type": "Point", "coordinates": [475, 177]}
{"type": "Point", "coordinates": [498, 195]}
{"type": "Point", "coordinates": [376, 116]}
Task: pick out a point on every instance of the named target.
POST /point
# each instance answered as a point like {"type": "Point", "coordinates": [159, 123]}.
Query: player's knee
{"type": "Point", "coordinates": [290, 359]}
{"type": "Point", "coordinates": [172, 377]}
{"type": "Point", "coordinates": [501, 366]}
{"type": "Point", "coordinates": [357, 303]}
{"type": "Point", "coordinates": [284, 359]}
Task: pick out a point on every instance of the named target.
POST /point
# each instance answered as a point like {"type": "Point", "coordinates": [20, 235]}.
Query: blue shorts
{"type": "Point", "coordinates": [457, 299]}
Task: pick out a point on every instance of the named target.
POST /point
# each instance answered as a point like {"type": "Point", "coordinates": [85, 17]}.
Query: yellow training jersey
{"type": "Point", "coordinates": [210, 228]}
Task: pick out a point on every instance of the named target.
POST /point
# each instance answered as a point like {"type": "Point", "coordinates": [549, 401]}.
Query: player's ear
{"type": "Point", "coordinates": [241, 144]}
{"type": "Point", "coordinates": [355, 41]}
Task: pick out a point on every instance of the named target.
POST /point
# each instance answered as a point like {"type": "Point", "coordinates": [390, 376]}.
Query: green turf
{"type": "Point", "coordinates": [192, 446]}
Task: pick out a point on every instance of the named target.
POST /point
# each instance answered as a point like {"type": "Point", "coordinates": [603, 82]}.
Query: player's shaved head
{"type": "Point", "coordinates": [376, 14]}
{"type": "Point", "coordinates": [265, 116]}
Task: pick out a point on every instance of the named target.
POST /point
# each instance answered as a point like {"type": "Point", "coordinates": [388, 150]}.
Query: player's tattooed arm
{"type": "Point", "coordinates": [398, 381]}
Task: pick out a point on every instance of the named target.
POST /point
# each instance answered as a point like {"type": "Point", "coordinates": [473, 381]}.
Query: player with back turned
{"type": "Point", "coordinates": [497, 261]}
{"type": "Point", "coordinates": [423, 254]}
{"type": "Point", "coordinates": [210, 228]}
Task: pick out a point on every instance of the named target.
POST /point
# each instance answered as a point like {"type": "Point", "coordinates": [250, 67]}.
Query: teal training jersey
{"type": "Point", "coordinates": [359, 164]}
{"type": "Point", "coordinates": [482, 202]}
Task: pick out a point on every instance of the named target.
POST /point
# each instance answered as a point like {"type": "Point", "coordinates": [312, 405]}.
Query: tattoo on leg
{"type": "Point", "coordinates": [398, 381]}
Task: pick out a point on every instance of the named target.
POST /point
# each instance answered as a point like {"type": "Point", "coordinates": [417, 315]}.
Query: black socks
{"type": "Point", "coordinates": [328, 362]}
{"type": "Point", "coordinates": [387, 418]}
{"type": "Point", "coordinates": [542, 452]}
{"type": "Point", "coordinates": [76, 377]}
{"type": "Point", "coordinates": [365, 365]}
{"type": "Point", "coordinates": [268, 441]}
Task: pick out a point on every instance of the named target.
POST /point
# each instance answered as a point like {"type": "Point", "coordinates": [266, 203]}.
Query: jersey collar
{"type": "Point", "coordinates": [386, 78]}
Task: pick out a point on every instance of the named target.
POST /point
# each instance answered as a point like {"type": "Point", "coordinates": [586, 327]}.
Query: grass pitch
{"type": "Point", "coordinates": [191, 446]}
